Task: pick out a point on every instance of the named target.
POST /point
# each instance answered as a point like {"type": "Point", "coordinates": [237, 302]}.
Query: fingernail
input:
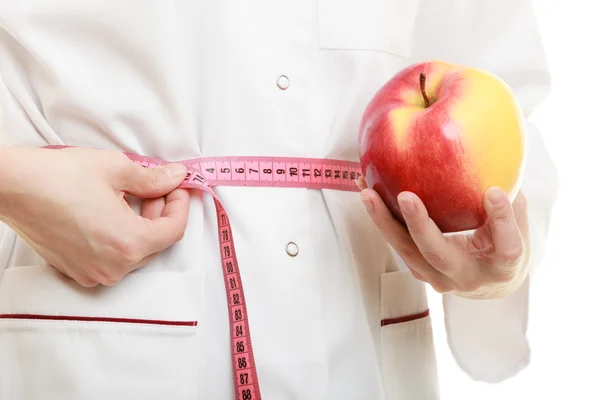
{"type": "Point", "coordinates": [407, 205]}
{"type": "Point", "coordinates": [496, 195]}
{"type": "Point", "coordinates": [175, 170]}
{"type": "Point", "coordinates": [367, 202]}
{"type": "Point", "coordinates": [360, 182]}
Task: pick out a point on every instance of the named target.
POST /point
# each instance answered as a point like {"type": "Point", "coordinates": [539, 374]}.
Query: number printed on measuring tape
{"type": "Point", "coordinates": [293, 172]}
{"type": "Point", "coordinates": [205, 173]}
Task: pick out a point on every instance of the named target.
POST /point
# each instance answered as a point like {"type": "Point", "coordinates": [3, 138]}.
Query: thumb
{"type": "Point", "coordinates": [153, 182]}
{"type": "Point", "coordinates": [503, 225]}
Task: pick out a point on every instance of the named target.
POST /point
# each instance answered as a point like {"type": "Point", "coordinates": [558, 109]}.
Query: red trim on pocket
{"type": "Point", "coordinates": [406, 318]}
{"type": "Point", "coordinates": [97, 319]}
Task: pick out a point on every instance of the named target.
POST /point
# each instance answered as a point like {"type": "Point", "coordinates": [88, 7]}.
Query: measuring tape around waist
{"type": "Point", "coordinates": [207, 172]}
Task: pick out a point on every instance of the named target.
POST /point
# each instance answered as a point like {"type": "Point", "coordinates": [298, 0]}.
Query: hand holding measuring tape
{"type": "Point", "coordinates": [77, 219]}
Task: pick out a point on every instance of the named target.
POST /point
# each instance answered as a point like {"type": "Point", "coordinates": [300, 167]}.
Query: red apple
{"type": "Point", "coordinates": [447, 133]}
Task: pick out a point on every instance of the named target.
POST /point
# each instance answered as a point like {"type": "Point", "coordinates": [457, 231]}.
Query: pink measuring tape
{"type": "Point", "coordinates": [207, 172]}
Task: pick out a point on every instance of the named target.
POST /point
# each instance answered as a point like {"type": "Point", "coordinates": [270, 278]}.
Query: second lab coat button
{"type": "Point", "coordinates": [283, 82]}
{"type": "Point", "coordinates": [292, 249]}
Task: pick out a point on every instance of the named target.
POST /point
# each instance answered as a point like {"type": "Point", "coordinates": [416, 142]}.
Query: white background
{"type": "Point", "coordinates": [565, 306]}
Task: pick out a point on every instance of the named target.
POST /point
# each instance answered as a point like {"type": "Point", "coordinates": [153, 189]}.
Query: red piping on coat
{"type": "Point", "coordinates": [406, 318]}
{"type": "Point", "coordinates": [97, 319]}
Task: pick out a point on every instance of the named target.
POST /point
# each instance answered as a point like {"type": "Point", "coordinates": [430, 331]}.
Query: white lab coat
{"type": "Point", "coordinates": [188, 79]}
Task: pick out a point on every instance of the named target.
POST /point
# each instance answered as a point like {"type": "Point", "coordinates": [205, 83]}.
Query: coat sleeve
{"type": "Point", "coordinates": [488, 338]}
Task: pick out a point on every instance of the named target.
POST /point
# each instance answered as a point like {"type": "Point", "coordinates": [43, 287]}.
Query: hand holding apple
{"type": "Point", "coordinates": [442, 150]}
{"type": "Point", "coordinates": [490, 263]}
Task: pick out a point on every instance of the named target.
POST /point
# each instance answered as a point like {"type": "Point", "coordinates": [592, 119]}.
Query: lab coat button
{"type": "Point", "coordinates": [292, 249]}
{"type": "Point", "coordinates": [283, 82]}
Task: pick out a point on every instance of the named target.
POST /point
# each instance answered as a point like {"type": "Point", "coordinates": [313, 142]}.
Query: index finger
{"type": "Point", "coordinates": [402, 242]}
{"type": "Point", "coordinates": [433, 245]}
{"type": "Point", "coordinates": [169, 228]}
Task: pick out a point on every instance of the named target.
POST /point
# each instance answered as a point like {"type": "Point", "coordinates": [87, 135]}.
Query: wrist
{"type": "Point", "coordinates": [499, 290]}
{"type": "Point", "coordinates": [495, 291]}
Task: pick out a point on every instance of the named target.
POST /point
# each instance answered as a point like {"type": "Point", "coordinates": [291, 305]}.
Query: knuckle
{"type": "Point", "coordinates": [504, 276]}
{"type": "Point", "coordinates": [118, 160]}
{"type": "Point", "coordinates": [500, 215]}
{"type": "Point", "coordinates": [127, 250]}
{"type": "Point", "coordinates": [155, 178]}
{"type": "Point", "coordinates": [468, 285]}
{"type": "Point", "coordinates": [520, 200]}
{"type": "Point", "coordinates": [503, 213]}
{"type": "Point", "coordinates": [382, 222]}
{"type": "Point", "coordinates": [436, 259]}
{"type": "Point", "coordinates": [407, 254]}
{"type": "Point", "coordinates": [418, 228]}
{"type": "Point", "coordinates": [108, 278]}
{"type": "Point", "coordinates": [180, 235]}
{"type": "Point", "coordinates": [129, 257]}
{"type": "Point", "coordinates": [441, 287]}
{"type": "Point", "coordinates": [87, 282]}
{"type": "Point", "coordinates": [511, 255]}
{"type": "Point", "coordinates": [416, 275]}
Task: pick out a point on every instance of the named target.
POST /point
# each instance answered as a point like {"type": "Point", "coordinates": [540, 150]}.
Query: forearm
{"type": "Point", "coordinates": [12, 161]}
{"type": "Point", "coordinates": [7, 172]}
{"type": "Point", "coordinates": [6, 175]}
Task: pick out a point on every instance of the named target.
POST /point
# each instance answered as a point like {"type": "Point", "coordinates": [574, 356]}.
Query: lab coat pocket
{"type": "Point", "coordinates": [134, 340]}
{"type": "Point", "coordinates": [380, 25]}
{"type": "Point", "coordinates": [408, 353]}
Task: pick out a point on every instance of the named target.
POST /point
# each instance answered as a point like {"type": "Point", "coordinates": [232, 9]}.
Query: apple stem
{"type": "Point", "coordinates": [422, 82]}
